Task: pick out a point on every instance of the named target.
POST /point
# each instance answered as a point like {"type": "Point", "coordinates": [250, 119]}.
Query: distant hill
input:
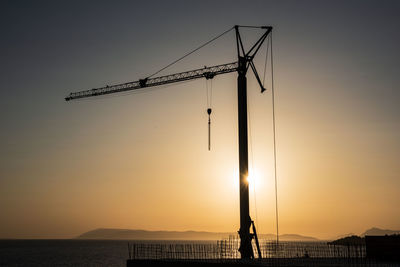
{"type": "Point", "coordinates": [377, 231]}
{"type": "Point", "coordinates": [151, 235]}
{"type": "Point", "coordinates": [294, 237]}
{"type": "Point", "coordinates": [342, 236]}
{"type": "Point", "coordinates": [105, 233]}
{"type": "Point", "coordinates": [288, 237]}
{"type": "Point", "coordinates": [352, 239]}
{"type": "Point", "coordinates": [349, 240]}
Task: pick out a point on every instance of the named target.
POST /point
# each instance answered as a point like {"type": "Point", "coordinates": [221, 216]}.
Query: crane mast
{"type": "Point", "coordinates": [241, 66]}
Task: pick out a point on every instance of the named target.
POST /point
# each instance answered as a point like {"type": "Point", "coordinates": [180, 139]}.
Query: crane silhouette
{"type": "Point", "coordinates": [241, 66]}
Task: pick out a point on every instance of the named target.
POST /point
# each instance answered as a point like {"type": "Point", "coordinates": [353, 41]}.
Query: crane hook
{"type": "Point", "coordinates": [209, 110]}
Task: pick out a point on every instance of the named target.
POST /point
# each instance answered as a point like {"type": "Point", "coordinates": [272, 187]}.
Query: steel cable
{"type": "Point", "coordinates": [191, 52]}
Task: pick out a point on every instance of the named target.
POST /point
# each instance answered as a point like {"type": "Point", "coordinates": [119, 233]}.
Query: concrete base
{"type": "Point", "coordinates": [288, 262]}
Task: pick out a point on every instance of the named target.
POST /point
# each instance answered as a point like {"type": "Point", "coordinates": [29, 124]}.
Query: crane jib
{"type": "Point", "coordinates": [206, 72]}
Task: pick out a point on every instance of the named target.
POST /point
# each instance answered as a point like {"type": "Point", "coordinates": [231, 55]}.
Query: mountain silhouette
{"type": "Point", "coordinates": [378, 231]}
{"type": "Point", "coordinates": [349, 240]}
{"type": "Point", "coordinates": [108, 233]}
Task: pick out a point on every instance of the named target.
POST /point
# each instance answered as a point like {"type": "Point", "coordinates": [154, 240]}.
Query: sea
{"type": "Point", "coordinates": [74, 252]}
{"type": "Point", "coordinates": [63, 253]}
{"type": "Point", "coordinates": [78, 252]}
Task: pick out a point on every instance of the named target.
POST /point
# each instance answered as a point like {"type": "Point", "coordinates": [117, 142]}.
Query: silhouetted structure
{"type": "Point", "coordinates": [245, 60]}
{"type": "Point", "coordinates": [225, 253]}
{"type": "Point", "coordinates": [385, 248]}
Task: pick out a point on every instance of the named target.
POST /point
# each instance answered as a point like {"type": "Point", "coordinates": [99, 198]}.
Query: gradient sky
{"type": "Point", "coordinates": [140, 160]}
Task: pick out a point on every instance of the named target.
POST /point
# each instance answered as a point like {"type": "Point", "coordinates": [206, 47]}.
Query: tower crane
{"type": "Point", "coordinates": [241, 66]}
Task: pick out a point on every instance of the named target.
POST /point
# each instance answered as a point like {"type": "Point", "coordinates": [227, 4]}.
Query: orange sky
{"type": "Point", "coordinates": [149, 168]}
{"type": "Point", "coordinates": [140, 160]}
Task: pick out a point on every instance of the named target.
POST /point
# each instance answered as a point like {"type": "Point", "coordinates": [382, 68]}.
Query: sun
{"type": "Point", "coordinates": [254, 178]}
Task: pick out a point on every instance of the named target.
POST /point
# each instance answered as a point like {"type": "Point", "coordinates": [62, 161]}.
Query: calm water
{"type": "Point", "coordinates": [115, 252]}
{"type": "Point", "coordinates": [65, 252]}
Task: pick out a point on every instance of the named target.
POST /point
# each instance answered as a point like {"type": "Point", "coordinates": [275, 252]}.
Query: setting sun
{"type": "Point", "coordinates": [254, 178]}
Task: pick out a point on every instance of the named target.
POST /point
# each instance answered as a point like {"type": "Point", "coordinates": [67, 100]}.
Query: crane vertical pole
{"type": "Point", "coordinates": [246, 250]}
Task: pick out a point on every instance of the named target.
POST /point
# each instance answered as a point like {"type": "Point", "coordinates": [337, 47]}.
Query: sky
{"type": "Point", "coordinates": [139, 160]}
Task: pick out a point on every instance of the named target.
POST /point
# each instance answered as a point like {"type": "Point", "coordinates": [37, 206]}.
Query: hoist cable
{"type": "Point", "coordinates": [191, 52]}
{"type": "Point", "coordinates": [209, 129]}
{"type": "Point", "coordinates": [252, 163]}
{"type": "Point", "coordinates": [209, 89]}
{"type": "Point", "coordinates": [274, 137]}
{"type": "Point", "coordinates": [207, 94]}
{"type": "Point", "coordinates": [211, 92]}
